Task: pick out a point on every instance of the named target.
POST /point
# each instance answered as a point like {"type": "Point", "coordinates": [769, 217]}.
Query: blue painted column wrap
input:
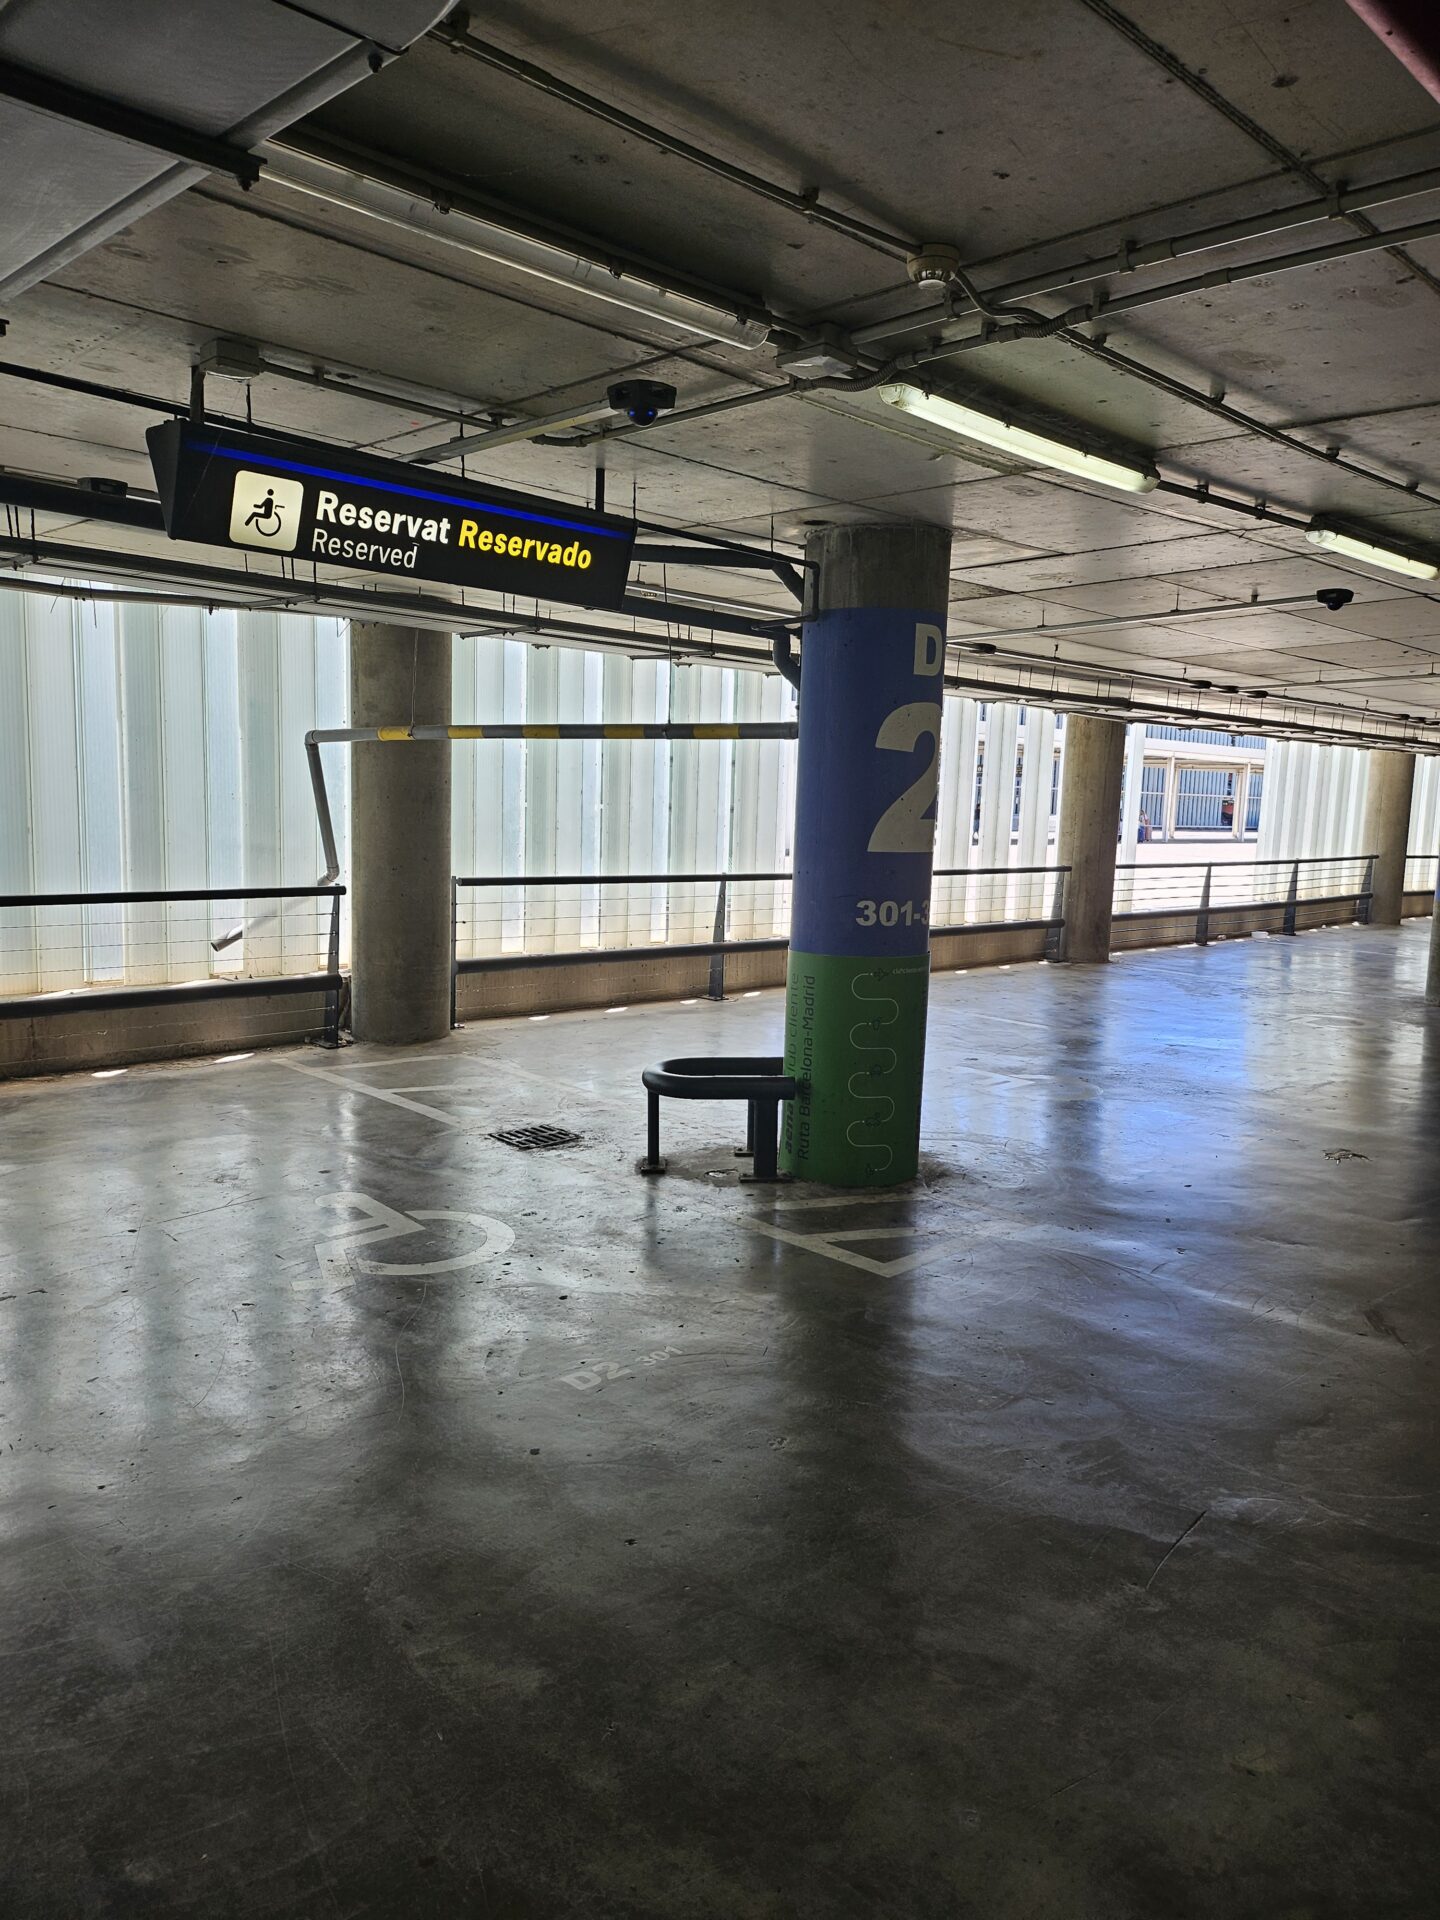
{"type": "Point", "coordinates": [867, 780]}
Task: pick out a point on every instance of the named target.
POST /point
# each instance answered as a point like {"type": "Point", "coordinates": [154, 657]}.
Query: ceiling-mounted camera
{"type": "Point", "coordinates": [1334, 597]}
{"type": "Point", "coordinates": [641, 400]}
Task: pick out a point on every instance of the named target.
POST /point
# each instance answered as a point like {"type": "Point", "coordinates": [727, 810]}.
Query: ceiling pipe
{"type": "Point", "coordinates": [448, 617]}
{"type": "Point", "coordinates": [1109, 621]}
{"type": "Point", "coordinates": [1336, 203]}
{"type": "Point", "coordinates": [585, 413]}
{"type": "Point", "coordinates": [787, 664]}
{"type": "Point", "coordinates": [61, 101]}
{"type": "Point", "coordinates": [1000, 327]}
{"type": "Point", "coordinates": [454, 33]}
{"type": "Point", "coordinates": [1129, 258]}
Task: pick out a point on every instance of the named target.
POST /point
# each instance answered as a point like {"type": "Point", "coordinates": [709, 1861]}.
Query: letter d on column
{"type": "Point", "coordinates": [929, 649]}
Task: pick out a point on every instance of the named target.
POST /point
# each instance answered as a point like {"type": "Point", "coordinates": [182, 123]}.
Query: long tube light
{"type": "Point", "coordinates": [363, 193]}
{"type": "Point", "coordinates": [1353, 548]}
{"type": "Point", "coordinates": [970, 424]}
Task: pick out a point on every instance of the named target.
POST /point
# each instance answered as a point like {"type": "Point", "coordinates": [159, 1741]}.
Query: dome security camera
{"type": "Point", "coordinates": [1334, 598]}
{"type": "Point", "coordinates": [641, 401]}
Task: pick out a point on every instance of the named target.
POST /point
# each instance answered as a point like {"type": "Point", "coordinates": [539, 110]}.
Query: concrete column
{"type": "Point", "coordinates": [1089, 829]}
{"type": "Point", "coordinates": [867, 774]}
{"type": "Point", "coordinates": [399, 836]}
{"type": "Point", "coordinates": [1389, 785]}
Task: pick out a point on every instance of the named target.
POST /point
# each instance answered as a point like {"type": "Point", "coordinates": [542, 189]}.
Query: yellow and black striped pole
{"type": "Point", "coordinates": [625, 730]}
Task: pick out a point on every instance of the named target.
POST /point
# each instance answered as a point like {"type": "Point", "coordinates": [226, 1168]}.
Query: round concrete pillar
{"type": "Point", "coordinates": [868, 765]}
{"type": "Point", "coordinates": [1389, 788]}
{"type": "Point", "coordinates": [1094, 770]}
{"type": "Point", "coordinates": [399, 836]}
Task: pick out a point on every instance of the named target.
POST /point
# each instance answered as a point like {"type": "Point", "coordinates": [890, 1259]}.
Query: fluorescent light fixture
{"type": "Point", "coordinates": [364, 193]}
{"type": "Point", "coordinates": [1346, 544]}
{"type": "Point", "coordinates": [970, 424]}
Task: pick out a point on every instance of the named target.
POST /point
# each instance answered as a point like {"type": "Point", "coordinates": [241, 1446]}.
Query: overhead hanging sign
{"type": "Point", "coordinates": [314, 503]}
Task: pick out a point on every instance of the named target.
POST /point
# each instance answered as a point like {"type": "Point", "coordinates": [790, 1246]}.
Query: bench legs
{"type": "Point", "coordinates": [762, 1140]}
{"type": "Point", "coordinates": [653, 1161]}
{"type": "Point", "coordinates": [763, 1137]}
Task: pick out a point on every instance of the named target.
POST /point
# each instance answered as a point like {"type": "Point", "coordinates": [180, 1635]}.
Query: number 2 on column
{"type": "Point", "coordinates": [903, 827]}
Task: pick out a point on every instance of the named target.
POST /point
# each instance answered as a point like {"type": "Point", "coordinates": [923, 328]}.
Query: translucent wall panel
{"type": "Point", "coordinates": [617, 808]}
{"type": "Point", "coordinates": [1313, 805]}
{"type": "Point", "coordinates": [1425, 808]}
{"type": "Point", "coordinates": [149, 748]}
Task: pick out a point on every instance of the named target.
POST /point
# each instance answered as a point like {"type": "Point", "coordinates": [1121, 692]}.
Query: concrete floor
{"type": "Point", "coordinates": [1054, 1539]}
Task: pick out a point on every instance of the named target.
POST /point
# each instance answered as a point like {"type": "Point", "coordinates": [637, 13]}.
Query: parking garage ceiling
{"type": "Point", "coordinates": [789, 164]}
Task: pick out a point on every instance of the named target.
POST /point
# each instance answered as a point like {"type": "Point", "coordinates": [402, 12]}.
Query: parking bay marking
{"type": "Point", "coordinates": [338, 1257]}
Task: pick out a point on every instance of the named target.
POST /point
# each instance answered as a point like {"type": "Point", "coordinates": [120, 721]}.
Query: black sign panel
{"type": "Point", "coordinates": [321, 504]}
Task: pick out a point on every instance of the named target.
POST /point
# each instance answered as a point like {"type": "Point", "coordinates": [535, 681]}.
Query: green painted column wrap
{"type": "Point", "coordinates": [867, 779]}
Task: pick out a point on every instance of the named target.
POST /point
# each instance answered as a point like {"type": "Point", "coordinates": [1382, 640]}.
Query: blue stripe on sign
{"type": "Point", "coordinates": [412, 493]}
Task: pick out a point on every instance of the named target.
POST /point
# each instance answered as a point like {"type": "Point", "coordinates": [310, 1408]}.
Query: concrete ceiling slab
{"type": "Point", "coordinates": [920, 117]}
{"type": "Point", "coordinates": [1136, 597]}
{"type": "Point", "coordinates": [1142, 560]}
{"type": "Point", "coordinates": [1256, 468]}
{"type": "Point", "coordinates": [1035, 132]}
{"type": "Point", "coordinates": [1346, 337]}
{"type": "Point", "coordinates": [1278, 575]}
{"type": "Point", "coordinates": [1305, 69]}
{"type": "Point", "coordinates": [1408, 617]}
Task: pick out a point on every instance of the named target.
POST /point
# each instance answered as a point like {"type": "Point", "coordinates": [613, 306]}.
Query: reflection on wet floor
{"type": "Point", "coordinates": [405, 1522]}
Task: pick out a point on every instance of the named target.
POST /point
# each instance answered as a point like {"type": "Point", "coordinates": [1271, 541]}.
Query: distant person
{"type": "Point", "coordinates": [1144, 833]}
{"type": "Point", "coordinates": [1227, 814]}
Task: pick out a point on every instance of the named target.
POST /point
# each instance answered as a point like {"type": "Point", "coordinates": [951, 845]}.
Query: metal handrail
{"type": "Point", "coordinates": [116, 997]}
{"type": "Point", "coordinates": [718, 946]}
{"type": "Point", "coordinates": [1281, 860]}
{"type": "Point", "coordinates": [703, 879]}
{"type": "Point", "coordinates": [163, 895]}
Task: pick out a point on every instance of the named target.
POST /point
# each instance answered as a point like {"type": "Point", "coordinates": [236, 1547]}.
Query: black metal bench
{"type": "Point", "coordinates": [754, 1078]}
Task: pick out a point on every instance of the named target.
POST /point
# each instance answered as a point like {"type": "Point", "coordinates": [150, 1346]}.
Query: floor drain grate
{"type": "Point", "coordinates": [532, 1139]}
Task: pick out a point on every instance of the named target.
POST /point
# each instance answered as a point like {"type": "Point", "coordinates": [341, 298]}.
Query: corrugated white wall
{"type": "Point", "coordinates": [1314, 803]}
{"type": "Point", "coordinates": [615, 807]}
{"type": "Point", "coordinates": [147, 748]}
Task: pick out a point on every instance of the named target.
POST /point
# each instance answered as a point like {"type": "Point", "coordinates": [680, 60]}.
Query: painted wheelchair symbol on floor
{"type": "Point", "coordinates": [339, 1258]}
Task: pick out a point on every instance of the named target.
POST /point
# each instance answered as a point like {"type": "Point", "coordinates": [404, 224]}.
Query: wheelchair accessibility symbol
{"type": "Point", "coordinates": [265, 511]}
{"type": "Point", "coordinates": [340, 1258]}
{"type": "Point", "coordinates": [267, 518]}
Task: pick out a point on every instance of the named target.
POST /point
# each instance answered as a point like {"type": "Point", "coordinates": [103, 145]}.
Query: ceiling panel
{"type": "Point", "coordinates": [1410, 617]}
{"type": "Point", "coordinates": [946, 120]}
{"type": "Point", "coordinates": [1142, 560]}
{"type": "Point", "coordinates": [816, 92]}
{"type": "Point", "coordinates": [1257, 468]}
{"type": "Point", "coordinates": [1361, 655]}
{"type": "Point", "coordinates": [1280, 575]}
